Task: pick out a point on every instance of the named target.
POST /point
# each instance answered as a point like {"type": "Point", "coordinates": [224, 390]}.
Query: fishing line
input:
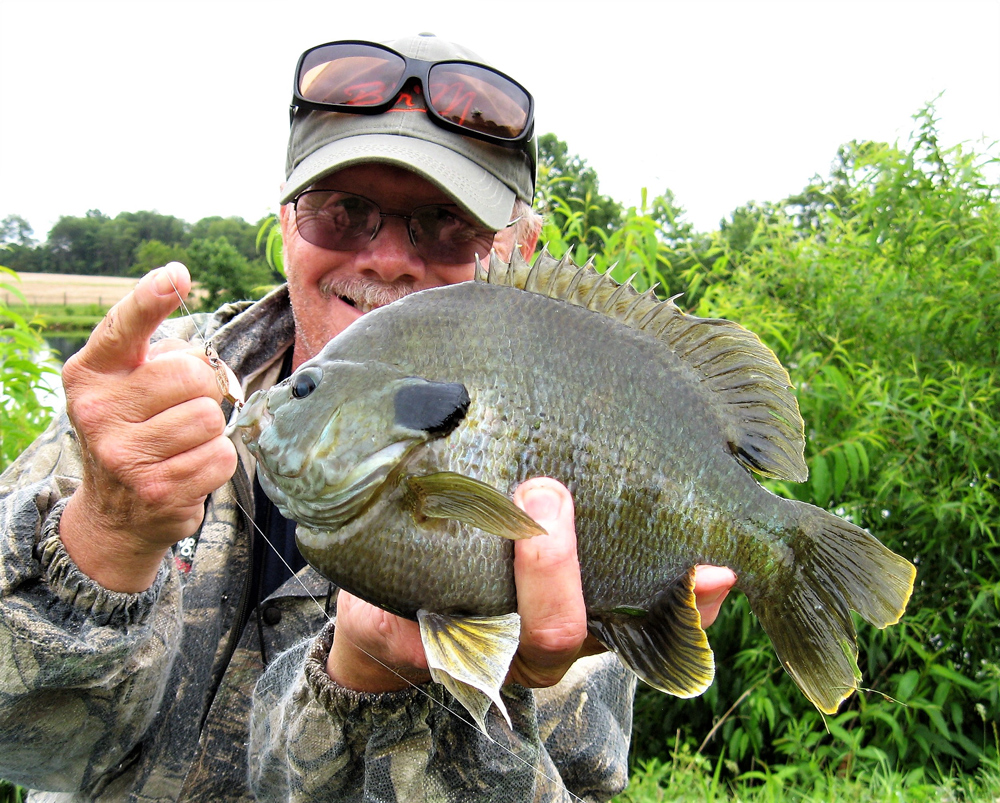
{"type": "Point", "coordinates": [216, 363]}
{"type": "Point", "coordinates": [425, 693]}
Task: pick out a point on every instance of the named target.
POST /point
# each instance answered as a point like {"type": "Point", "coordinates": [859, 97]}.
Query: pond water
{"type": "Point", "coordinates": [63, 348]}
{"type": "Point", "coordinates": [57, 350]}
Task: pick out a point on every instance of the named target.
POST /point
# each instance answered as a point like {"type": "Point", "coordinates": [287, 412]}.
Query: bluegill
{"type": "Point", "coordinates": [397, 449]}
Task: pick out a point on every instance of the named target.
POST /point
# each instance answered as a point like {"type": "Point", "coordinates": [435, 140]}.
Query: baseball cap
{"type": "Point", "coordinates": [483, 178]}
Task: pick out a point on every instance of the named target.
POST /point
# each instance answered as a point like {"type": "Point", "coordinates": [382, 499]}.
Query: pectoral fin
{"type": "Point", "coordinates": [470, 656]}
{"type": "Point", "coordinates": [447, 495]}
{"type": "Point", "coordinates": [664, 644]}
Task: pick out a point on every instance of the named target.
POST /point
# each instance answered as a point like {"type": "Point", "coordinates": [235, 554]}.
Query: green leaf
{"type": "Point", "coordinates": [840, 472]}
{"type": "Point", "coordinates": [819, 472]}
{"type": "Point", "coordinates": [906, 684]}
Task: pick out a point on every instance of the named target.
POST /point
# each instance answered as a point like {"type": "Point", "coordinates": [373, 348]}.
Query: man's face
{"type": "Point", "coordinates": [331, 289]}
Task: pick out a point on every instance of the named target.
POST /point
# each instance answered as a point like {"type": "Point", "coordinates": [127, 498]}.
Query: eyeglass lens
{"type": "Point", "coordinates": [341, 221]}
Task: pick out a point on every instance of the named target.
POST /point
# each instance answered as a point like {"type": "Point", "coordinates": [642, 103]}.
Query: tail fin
{"type": "Point", "coordinates": [838, 567]}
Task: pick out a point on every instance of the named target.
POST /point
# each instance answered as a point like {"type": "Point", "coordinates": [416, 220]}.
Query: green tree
{"type": "Point", "coordinates": [153, 254]}
{"type": "Point", "coordinates": [20, 250]}
{"type": "Point", "coordinates": [15, 230]}
{"type": "Point", "coordinates": [240, 234]}
{"type": "Point", "coordinates": [224, 274]}
{"type": "Point", "coordinates": [142, 226]}
{"type": "Point", "coordinates": [569, 195]}
{"type": "Point", "coordinates": [89, 244]}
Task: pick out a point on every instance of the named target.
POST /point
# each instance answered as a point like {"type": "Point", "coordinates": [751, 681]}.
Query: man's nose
{"type": "Point", "coordinates": [390, 256]}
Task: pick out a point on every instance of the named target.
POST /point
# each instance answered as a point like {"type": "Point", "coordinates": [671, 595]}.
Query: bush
{"type": "Point", "coordinates": [885, 309]}
{"type": "Point", "coordinates": [24, 377]}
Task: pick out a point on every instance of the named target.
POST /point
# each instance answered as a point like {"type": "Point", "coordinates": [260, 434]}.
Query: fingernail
{"type": "Point", "coordinates": [542, 504]}
{"type": "Point", "coordinates": [162, 285]}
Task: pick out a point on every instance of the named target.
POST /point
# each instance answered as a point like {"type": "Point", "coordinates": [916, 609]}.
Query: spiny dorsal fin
{"type": "Point", "coordinates": [759, 410]}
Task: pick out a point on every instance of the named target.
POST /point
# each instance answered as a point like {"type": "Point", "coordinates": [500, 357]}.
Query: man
{"type": "Point", "coordinates": [130, 564]}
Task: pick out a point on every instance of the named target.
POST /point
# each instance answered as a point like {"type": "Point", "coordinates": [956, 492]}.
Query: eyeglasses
{"type": "Point", "coordinates": [462, 96]}
{"type": "Point", "coordinates": [342, 221]}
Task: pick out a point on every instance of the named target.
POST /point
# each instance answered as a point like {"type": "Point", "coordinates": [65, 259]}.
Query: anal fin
{"type": "Point", "coordinates": [665, 644]}
{"type": "Point", "coordinates": [470, 657]}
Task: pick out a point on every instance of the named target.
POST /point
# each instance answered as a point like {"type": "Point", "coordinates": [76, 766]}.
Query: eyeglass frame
{"type": "Point", "coordinates": [382, 215]}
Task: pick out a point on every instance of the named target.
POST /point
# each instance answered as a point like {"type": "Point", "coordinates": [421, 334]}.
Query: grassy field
{"type": "Point", "coordinates": [61, 290]}
{"type": "Point", "coordinates": [68, 304]}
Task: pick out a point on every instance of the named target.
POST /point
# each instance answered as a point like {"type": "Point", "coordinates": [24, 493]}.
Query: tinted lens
{"type": "Point", "coordinates": [479, 99]}
{"type": "Point", "coordinates": [338, 221]}
{"type": "Point", "coordinates": [350, 74]}
{"type": "Point", "coordinates": [440, 235]}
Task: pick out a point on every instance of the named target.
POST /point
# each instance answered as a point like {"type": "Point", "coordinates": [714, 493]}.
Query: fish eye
{"type": "Point", "coordinates": [303, 385]}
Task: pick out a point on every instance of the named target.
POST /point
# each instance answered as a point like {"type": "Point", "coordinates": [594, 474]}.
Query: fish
{"type": "Point", "coordinates": [396, 450]}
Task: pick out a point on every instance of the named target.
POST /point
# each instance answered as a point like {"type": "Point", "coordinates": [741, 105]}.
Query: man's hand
{"type": "Point", "coordinates": [368, 641]}
{"type": "Point", "coordinates": [151, 428]}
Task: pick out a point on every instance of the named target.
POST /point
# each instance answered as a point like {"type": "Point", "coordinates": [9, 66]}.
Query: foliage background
{"type": "Point", "coordinates": [878, 286]}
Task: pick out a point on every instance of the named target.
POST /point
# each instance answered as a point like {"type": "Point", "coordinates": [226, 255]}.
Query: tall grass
{"type": "Point", "coordinates": [690, 777]}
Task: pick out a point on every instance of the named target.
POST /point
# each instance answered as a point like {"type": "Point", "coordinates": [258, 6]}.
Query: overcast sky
{"type": "Point", "coordinates": [181, 107]}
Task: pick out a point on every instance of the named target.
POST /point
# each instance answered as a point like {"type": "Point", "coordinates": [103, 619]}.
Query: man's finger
{"type": "Point", "coordinates": [711, 585]}
{"type": "Point", "coordinates": [549, 592]}
{"type": "Point", "coordinates": [121, 339]}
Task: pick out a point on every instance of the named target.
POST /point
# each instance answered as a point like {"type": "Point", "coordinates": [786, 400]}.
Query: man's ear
{"type": "Point", "coordinates": [528, 234]}
{"type": "Point", "coordinates": [284, 218]}
{"type": "Point", "coordinates": [528, 247]}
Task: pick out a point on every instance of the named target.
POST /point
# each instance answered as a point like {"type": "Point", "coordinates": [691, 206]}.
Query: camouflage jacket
{"type": "Point", "coordinates": [157, 696]}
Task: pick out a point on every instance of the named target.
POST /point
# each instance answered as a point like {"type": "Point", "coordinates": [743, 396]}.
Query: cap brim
{"type": "Point", "coordinates": [481, 194]}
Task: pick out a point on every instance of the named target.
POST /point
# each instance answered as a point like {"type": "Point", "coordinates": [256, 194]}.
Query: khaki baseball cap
{"type": "Point", "coordinates": [482, 177]}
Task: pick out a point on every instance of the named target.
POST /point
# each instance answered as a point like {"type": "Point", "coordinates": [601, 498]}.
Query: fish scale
{"type": "Point", "coordinates": [423, 417]}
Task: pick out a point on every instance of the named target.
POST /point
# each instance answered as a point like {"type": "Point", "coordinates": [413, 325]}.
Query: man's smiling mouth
{"type": "Point", "coordinates": [363, 294]}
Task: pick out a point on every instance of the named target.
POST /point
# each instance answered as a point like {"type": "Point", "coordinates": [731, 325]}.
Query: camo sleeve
{"type": "Point", "coordinates": [82, 669]}
{"type": "Point", "coordinates": [311, 739]}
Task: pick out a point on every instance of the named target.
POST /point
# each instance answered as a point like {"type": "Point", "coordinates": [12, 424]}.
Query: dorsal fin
{"type": "Point", "coordinates": [759, 411]}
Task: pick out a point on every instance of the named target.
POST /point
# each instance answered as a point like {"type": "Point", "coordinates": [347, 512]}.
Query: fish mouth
{"type": "Point", "coordinates": [332, 505]}
{"type": "Point", "coordinates": [252, 420]}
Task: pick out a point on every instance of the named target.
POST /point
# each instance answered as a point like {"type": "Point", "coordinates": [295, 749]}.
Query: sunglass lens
{"type": "Point", "coordinates": [479, 99]}
{"type": "Point", "coordinates": [350, 74]}
{"type": "Point", "coordinates": [337, 221]}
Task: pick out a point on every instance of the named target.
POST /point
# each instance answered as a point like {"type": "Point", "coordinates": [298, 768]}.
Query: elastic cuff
{"type": "Point", "coordinates": [400, 709]}
{"type": "Point", "coordinates": [84, 596]}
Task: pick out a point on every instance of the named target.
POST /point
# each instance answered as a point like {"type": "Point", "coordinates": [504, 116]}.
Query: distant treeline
{"type": "Point", "coordinates": [220, 252]}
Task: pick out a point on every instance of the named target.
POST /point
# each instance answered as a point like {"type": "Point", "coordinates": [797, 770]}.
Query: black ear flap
{"type": "Point", "coordinates": [433, 407]}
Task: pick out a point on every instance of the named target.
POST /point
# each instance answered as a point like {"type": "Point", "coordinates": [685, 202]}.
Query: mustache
{"type": "Point", "coordinates": [366, 294]}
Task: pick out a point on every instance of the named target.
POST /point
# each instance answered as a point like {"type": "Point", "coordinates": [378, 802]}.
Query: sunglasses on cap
{"type": "Point", "coordinates": [342, 221]}
{"type": "Point", "coordinates": [462, 96]}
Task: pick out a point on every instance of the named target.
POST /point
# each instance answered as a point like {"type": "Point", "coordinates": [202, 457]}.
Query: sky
{"type": "Point", "coordinates": [181, 107]}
